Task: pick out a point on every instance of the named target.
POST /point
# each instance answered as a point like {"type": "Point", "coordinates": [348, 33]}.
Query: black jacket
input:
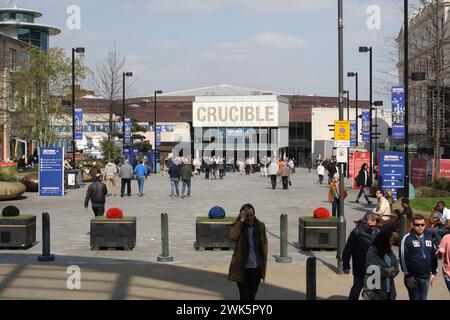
{"type": "Point", "coordinates": [96, 193]}
{"type": "Point", "coordinates": [417, 260]}
{"type": "Point", "coordinates": [361, 180]}
{"type": "Point", "coordinates": [357, 245]}
{"type": "Point", "coordinates": [331, 169]}
{"type": "Point", "coordinates": [174, 170]}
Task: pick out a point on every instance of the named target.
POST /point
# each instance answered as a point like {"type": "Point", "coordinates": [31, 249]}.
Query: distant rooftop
{"type": "Point", "coordinates": [223, 90]}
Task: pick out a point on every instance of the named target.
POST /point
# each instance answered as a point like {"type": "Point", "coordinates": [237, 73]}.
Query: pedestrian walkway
{"type": "Point", "coordinates": [70, 243]}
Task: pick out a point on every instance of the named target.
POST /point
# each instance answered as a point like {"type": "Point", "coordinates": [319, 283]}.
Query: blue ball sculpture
{"type": "Point", "coordinates": [216, 212]}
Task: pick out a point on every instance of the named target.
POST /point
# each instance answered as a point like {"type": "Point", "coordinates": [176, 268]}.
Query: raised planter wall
{"type": "Point", "coordinates": [17, 233]}
{"type": "Point", "coordinates": [213, 235]}
{"type": "Point", "coordinates": [317, 233]}
{"type": "Point", "coordinates": [113, 233]}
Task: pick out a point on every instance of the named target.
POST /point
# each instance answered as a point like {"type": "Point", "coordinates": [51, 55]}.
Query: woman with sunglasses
{"type": "Point", "coordinates": [381, 269]}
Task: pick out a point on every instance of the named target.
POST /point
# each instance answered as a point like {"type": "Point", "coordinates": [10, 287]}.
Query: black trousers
{"type": "Point", "coordinates": [122, 187]}
{"type": "Point", "coordinates": [249, 285]}
{"type": "Point", "coordinates": [358, 285]}
{"type": "Point", "coordinates": [273, 179]}
{"type": "Point", "coordinates": [221, 174]}
{"type": "Point", "coordinates": [285, 181]}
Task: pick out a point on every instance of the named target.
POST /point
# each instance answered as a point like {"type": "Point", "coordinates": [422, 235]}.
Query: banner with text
{"type": "Point", "coordinates": [392, 171]}
{"type": "Point", "coordinates": [78, 124]}
{"type": "Point", "coordinates": [127, 131]}
{"type": "Point", "coordinates": [51, 171]}
{"type": "Point", "coordinates": [365, 117]}
{"type": "Point", "coordinates": [398, 112]}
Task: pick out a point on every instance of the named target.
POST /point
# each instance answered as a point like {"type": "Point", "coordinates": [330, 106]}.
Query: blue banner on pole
{"type": "Point", "coordinates": [398, 112]}
{"type": "Point", "coordinates": [127, 131]}
{"type": "Point", "coordinates": [78, 124]}
{"type": "Point", "coordinates": [51, 171]}
{"type": "Point", "coordinates": [365, 117]}
{"type": "Point", "coordinates": [392, 171]}
{"type": "Point", "coordinates": [353, 133]}
{"type": "Point", "coordinates": [158, 135]}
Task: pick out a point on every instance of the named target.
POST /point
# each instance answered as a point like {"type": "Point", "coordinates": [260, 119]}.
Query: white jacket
{"type": "Point", "coordinates": [321, 170]}
{"type": "Point", "coordinates": [273, 168]}
{"type": "Point", "coordinates": [110, 170]}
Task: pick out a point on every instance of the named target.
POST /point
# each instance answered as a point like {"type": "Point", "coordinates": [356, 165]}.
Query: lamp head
{"type": "Point", "coordinates": [158, 92]}
{"type": "Point", "coordinates": [418, 76]}
{"type": "Point", "coordinates": [128, 74]}
{"type": "Point", "coordinates": [78, 50]}
{"type": "Point", "coordinates": [363, 49]}
{"type": "Point", "coordinates": [378, 103]}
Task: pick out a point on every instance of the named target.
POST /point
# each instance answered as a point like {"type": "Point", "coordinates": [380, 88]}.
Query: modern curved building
{"type": "Point", "coordinates": [18, 30]}
{"type": "Point", "coordinates": [19, 24]}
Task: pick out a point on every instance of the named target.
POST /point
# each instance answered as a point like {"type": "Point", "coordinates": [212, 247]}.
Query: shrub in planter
{"type": "Point", "coordinates": [213, 233]}
{"type": "Point", "coordinates": [118, 233]}
{"type": "Point", "coordinates": [319, 231]}
{"type": "Point", "coordinates": [16, 231]}
{"type": "Point", "coordinates": [114, 213]}
{"type": "Point", "coordinates": [321, 213]}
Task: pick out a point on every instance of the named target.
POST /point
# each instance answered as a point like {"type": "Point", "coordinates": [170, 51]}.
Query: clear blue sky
{"type": "Point", "coordinates": [288, 46]}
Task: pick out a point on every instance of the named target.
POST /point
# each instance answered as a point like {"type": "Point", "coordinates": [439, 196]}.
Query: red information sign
{"type": "Point", "coordinates": [351, 165]}
{"type": "Point", "coordinates": [444, 168]}
{"type": "Point", "coordinates": [419, 173]}
{"type": "Point", "coordinates": [359, 158]}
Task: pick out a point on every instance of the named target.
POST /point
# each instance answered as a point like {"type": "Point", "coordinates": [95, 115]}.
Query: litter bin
{"type": "Point", "coordinates": [71, 178]}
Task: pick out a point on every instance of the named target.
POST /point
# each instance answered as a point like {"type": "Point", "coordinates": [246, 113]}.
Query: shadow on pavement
{"type": "Point", "coordinates": [123, 279]}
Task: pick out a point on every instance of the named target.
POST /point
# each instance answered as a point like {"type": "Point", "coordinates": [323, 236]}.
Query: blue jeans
{"type": "Point", "coordinates": [141, 185]}
{"type": "Point", "coordinates": [447, 282]}
{"type": "Point", "coordinates": [438, 234]}
{"type": "Point", "coordinates": [174, 187]}
{"type": "Point", "coordinates": [98, 208]}
{"type": "Point", "coordinates": [186, 185]}
{"type": "Point", "coordinates": [420, 290]}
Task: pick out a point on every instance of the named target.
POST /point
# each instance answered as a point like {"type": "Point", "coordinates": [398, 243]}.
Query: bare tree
{"type": "Point", "coordinates": [428, 49]}
{"type": "Point", "coordinates": [107, 82]}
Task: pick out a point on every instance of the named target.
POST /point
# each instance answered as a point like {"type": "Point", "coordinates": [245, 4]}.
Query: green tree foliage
{"type": "Point", "coordinates": [43, 81]}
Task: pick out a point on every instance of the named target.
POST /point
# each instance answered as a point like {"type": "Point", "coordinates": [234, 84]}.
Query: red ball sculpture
{"type": "Point", "coordinates": [321, 213]}
{"type": "Point", "coordinates": [114, 213]}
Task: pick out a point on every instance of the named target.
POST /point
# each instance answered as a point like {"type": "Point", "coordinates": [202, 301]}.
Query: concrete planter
{"type": "Point", "coordinates": [113, 233]}
{"type": "Point", "coordinates": [317, 233]}
{"type": "Point", "coordinates": [17, 232]}
{"type": "Point", "coordinates": [213, 233]}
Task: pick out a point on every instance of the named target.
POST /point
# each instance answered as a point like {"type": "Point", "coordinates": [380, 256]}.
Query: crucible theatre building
{"type": "Point", "coordinates": [239, 127]}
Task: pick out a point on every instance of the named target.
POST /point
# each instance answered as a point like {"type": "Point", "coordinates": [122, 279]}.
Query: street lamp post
{"type": "Point", "coordinates": [154, 128]}
{"type": "Point", "coordinates": [341, 234]}
{"type": "Point", "coordinates": [365, 50]}
{"type": "Point", "coordinates": [375, 135]}
{"type": "Point", "coordinates": [347, 92]}
{"type": "Point", "coordinates": [77, 50]}
{"type": "Point", "coordinates": [125, 74]}
{"type": "Point", "coordinates": [355, 74]}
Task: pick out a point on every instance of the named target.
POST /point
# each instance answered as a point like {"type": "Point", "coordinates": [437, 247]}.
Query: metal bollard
{"type": "Point", "coordinates": [46, 256]}
{"type": "Point", "coordinates": [403, 230]}
{"type": "Point", "coordinates": [311, 279]}
{"type": "Point", "coordinates": [164, 256]}
{"type": "Point", "coordinates": [283, 257]}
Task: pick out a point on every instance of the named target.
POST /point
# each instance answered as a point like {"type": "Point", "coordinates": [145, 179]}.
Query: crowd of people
{"type": "Point", "coordinates": [368, 247]}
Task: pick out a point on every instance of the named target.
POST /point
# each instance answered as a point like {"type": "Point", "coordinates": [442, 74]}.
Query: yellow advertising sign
{"type": "Point", "coordinates": [342, 131]}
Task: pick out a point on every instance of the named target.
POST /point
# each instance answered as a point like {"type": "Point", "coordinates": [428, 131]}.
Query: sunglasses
{"type": "Point", "coordinates": [419, 224]}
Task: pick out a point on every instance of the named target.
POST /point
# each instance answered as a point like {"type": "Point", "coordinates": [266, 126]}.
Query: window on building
{"type": "Point", "coordinates": [12, 59]}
